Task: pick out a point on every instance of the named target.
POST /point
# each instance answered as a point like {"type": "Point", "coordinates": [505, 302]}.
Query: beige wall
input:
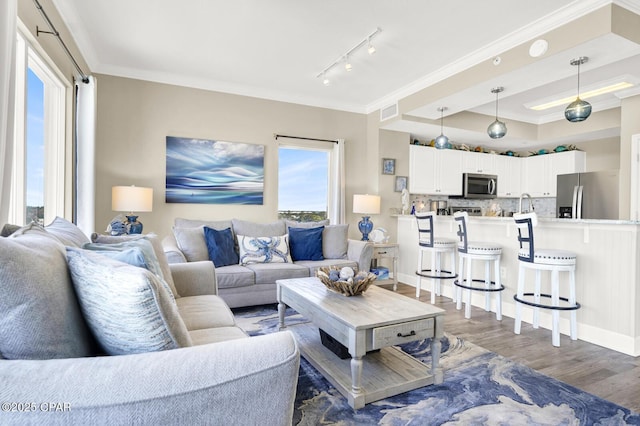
{"type": "Point", "coordinates": [134, 118]}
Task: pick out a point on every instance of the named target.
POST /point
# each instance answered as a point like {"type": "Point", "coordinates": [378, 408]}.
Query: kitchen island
{"type": "Point", "coordinates": [607, 271]}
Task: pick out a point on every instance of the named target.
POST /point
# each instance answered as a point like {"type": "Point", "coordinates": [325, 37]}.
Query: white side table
{"type": "Point", "coordinates": [386, 251]}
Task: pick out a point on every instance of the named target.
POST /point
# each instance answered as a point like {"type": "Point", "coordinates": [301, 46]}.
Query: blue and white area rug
{"type": "Point", "coordinates": [480, 388]}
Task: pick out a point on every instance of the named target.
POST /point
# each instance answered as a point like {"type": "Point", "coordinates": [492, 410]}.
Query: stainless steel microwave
{"type": "Point", "coordinates": [479, 186]}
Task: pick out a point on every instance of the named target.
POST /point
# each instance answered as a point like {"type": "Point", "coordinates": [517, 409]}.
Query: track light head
{"type": "Point", "coordinates": [347, 64]}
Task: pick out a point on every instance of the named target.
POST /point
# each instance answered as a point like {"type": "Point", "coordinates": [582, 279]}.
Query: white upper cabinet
{"type": "Point", "coordinates": [540, 171]}
{"type": "Point", "coordinates": [434, 171]}
{"type": "Point", "coordinates": [508, 170]}
{"type": "Point", "coordinates": [476, 162]}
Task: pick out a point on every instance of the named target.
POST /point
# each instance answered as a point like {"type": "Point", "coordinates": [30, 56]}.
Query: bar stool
{"type": "Point", "coordinates": [468, 251]}
{"type": "Point", "coordinates": [427, 243]}
{"type": "Point", "coordinates": [555, 261]}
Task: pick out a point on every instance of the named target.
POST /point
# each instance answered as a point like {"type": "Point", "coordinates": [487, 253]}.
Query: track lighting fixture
{"type": "Point", "coordinates": [345, 57]}
{"type": "Point", "coordinates": [497, 129]}
{"type": "Point", "coordinates": [578, 110]}
{"type": "Point", "coordinates": [442, 141]}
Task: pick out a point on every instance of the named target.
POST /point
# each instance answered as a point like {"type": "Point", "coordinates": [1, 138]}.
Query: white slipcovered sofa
{"type": "Point", "coordinates": [86, 339]}
{"type": "Point", "coordinates": [254, 282]}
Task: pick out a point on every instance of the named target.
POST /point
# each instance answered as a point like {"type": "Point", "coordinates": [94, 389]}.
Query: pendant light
{"type": "Point", "coordinates": [578, 110]}
{"type": "Point", "coordinates": [497, 129]}
{"type": "Point", "coordinates": [442, 141]}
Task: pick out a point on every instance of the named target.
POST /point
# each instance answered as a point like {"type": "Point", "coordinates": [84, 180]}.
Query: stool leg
{"type": "Point", "coordinates": [487, 285]}
{"type": "Point", "coordinates": [436, 255]}
{"type": "Point", "coordinates": [555, 300]}
{"type": "Point", "coordinates": [536, 298]}
{"type": "Point", "coordinates": [461, 281]}
{"type": "Point", "coordinates": [520, 292]}
{"type": "Point", "coordinates": [572, 302]}
{"type": "Point", "coordinates": [419, 283]}
{"type": "Point", "coordinates": [453, 273]}
{"type": "Point", "coordinates": [433, 273]}
{"type": "Point", "coordinates": [498, 293]}
{"type": "Point", "coordinates": [467, 305]}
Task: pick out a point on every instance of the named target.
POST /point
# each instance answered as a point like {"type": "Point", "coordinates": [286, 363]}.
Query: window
{"type": "Point", "coordinates": [303, 183]}
{"type": "Point", "coordinates": [37, 192]}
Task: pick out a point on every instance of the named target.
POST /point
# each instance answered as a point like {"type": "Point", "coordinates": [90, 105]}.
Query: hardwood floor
{"type": "Point", "coordinates": [594, 369]}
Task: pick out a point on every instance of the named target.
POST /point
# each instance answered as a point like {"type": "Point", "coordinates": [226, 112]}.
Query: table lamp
{"type": "Point", "coordinates": [130, 199]}
{"type": "Point", "coordinates": [366, 205]}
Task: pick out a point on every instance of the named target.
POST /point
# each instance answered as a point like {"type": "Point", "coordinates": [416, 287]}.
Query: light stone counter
{"type": "Point", "coordinates": [607, 272]}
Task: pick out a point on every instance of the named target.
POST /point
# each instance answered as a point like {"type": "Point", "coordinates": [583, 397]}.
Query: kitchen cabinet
{"type": "Point", "coordinates": [540, 172]}
{"type": "Point", "coordinates": [475, 162]}
{"type": "Point", "coordinates": [509, 170]}
{"type": "Point", "coordinates": [435, 171]}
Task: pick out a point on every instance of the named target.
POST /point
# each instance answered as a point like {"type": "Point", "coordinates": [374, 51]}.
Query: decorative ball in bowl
{"type": "Point", "coordinates": [345, 280]}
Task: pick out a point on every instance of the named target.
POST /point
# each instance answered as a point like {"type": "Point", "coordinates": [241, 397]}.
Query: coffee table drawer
{"type": "Point", "coordinates": [402, 333]}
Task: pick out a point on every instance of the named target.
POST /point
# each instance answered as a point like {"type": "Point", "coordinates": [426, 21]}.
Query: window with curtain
{"type": "Point", "coordinates": [37, 192]}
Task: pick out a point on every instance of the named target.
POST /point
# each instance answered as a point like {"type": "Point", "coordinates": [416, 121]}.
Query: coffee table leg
{"type": "Point", "coordinates": [356, 374]}
{"type": "Point", "coordinates": [281, 310]}
{"type": "Point", "coordinates": [436, 347]}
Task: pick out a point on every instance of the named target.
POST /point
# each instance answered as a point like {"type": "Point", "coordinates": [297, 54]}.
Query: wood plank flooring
{"type": "Point", "coordinates": [594, 369]}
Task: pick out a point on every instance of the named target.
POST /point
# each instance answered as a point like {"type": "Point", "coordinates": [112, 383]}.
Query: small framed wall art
{"type": "Point", "coordinates": [388, 166]}
{"type": "Point", "coordinates": [401, 183]}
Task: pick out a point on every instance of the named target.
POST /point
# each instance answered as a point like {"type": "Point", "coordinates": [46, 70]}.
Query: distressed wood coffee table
{"type": "Point", "coordinates": [376, 319]}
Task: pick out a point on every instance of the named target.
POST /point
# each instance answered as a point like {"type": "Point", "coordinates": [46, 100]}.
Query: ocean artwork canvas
{"type": "Point", "coordinates": [203, 171]}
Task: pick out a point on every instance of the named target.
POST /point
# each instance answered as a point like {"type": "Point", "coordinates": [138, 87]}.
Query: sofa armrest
{"type": "Point", "coordinates": [171, 249]}
{"type": "Point", "coordinates": [361, 252]}
{"type": "Point", "coordinates": [194, 278]}
{"type": "Point", "coordinates": [246, 381]}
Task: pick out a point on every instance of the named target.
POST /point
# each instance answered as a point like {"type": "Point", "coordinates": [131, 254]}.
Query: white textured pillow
{"type": "Point", "coordinates": [128, 309]}
{"type": "Point", "coordinates": [264, 249]}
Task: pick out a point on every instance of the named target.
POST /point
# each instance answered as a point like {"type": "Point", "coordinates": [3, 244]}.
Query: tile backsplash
{"type": "Point", "coordinates": [544, 207]}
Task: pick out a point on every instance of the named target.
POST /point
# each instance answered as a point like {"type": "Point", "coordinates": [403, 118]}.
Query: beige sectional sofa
{"type": "Point", "coordinates": [254, 283]}
{"type": "Point", "coordinates": [86, 338]}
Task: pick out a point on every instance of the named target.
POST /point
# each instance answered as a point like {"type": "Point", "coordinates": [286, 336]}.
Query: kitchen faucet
{"type": "Point", "coordinates": [530, 203]}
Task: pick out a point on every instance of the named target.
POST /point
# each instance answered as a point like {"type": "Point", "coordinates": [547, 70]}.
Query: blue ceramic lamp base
{"type": "Point", "coordinates": [365, 226]}
{"type": "Point", "coordinates": [133, 226]}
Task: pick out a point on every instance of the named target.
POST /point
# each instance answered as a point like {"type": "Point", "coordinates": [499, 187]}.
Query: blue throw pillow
{"type": "Point", "coordinates": [221, 246]}
{"type": "Point", "coordinates": [306, 243]}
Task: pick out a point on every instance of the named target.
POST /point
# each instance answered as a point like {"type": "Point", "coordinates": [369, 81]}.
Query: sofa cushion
{"type": "Point", "coordinates": [294, 224]}
{"type": "Point", "coordinates": [221, 246]}
{"type": "Point", "coordinates": [254, 229]}
{"type": "Point", "coordinates": [268, 273]}
{"type": "Point", "coordinates": [9, 229]}
{"type": "Point", "coordinates": [214, 335]}
{"type": "Point", "coordinates": [196, 223]}
{"type": "Point", "coordinates": [128, 309]}
{"type": "Point", "coordinates": [235, 276]}
{"type": "Point", "coordinates": [145, 247]}
{"type": "Point", "coordinates": [313, 266]}
{"type": "Point", "coordinates": [263, 249]}
{"type": "Point", "coordinates": [205, 311]}
{"type": "Point", "coordinates": [67, 233]}
{"type": "Point", "coordinates": [191, 243]}
{"type": "Point", "coordinates": [335, 241]}
{"type": "Point", "coordinates": [156, 243]}
{"type": "Point", "coordinates": [306, 243]}
{"type": "Point", "coordinates": [39, 313]}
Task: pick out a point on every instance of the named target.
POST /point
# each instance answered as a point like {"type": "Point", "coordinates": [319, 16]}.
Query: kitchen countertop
{"type": "Point", "coordinates": [543, 220]}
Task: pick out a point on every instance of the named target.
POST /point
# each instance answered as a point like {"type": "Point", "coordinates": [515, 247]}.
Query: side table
{"type": "Point", "coordinates": [386, 251]}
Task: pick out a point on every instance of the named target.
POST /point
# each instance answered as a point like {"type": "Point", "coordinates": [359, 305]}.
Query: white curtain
{"type": "Point", "coordinates": [8, 18]}
{"type": "Point", "coordinates": [337, 213]}
{"type": "Point", "coordinates": [85, 155]}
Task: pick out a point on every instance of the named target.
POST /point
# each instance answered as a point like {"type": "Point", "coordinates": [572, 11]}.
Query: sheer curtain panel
{"type": "Point", "coordinates": [85, 155]}
{"type": "Point", "coordinates": [337, 210]}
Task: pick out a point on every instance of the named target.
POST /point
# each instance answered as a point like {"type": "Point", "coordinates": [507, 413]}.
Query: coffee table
{"type": "Point", "coordinates": [376, 319]}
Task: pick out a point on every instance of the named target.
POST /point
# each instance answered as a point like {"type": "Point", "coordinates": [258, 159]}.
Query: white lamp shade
{"type": "Point", "coordinates": [131, 199]}
{"type": "Point", "coordinates": [366, 204]}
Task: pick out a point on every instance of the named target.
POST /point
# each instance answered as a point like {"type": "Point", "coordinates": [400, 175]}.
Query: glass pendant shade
{"type": "Point", "coordinates": [442, 142]}
{"type": "Point", "coordinates": [497, 129]}
{"type": "Point", "coordinates": [578, 110]}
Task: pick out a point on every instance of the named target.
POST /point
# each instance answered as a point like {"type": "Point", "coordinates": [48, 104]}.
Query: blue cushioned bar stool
{"type": "Point", "coordinates": [555, 261]}
{"type": "Point", "coordinates": [489, 253]}
{"type": "Point", "coordinates": [428, 243]}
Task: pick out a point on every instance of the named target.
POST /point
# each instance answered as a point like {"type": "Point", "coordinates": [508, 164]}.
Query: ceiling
{"type": "Point", "coordinates": [276, 49]}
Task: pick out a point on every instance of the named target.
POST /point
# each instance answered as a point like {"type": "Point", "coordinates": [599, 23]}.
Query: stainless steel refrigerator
{"type": "Point", "coordinates": [592, 195]}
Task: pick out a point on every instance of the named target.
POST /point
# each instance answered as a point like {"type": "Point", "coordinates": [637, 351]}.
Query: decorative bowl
{"type": "Point", "coordinates": [352, 286]}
